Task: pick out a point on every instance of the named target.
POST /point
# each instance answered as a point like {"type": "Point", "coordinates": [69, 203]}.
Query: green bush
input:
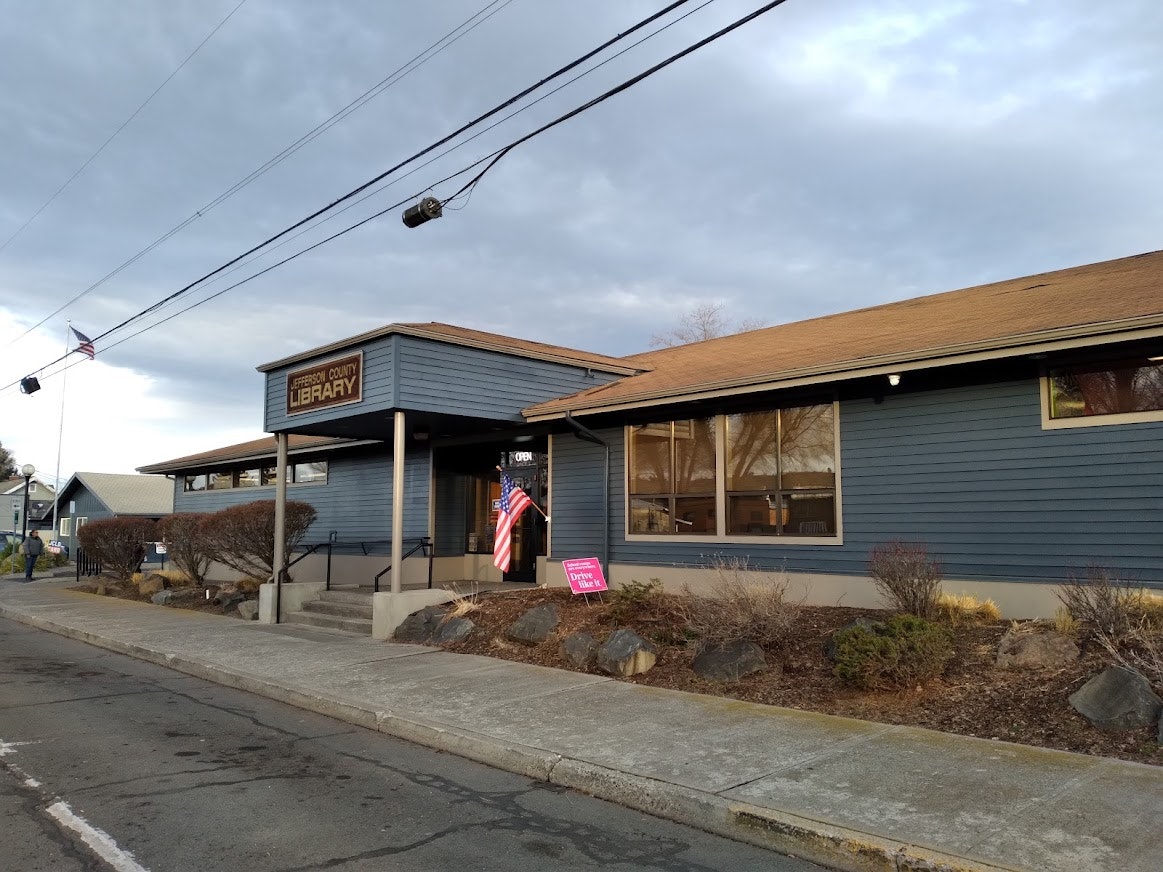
{"type": "Point", "coordinates": [901, 652]}
{"type": "Point", "coordinates": [634, 597]}
{"type": "Point", "coordinates": [11, 563]}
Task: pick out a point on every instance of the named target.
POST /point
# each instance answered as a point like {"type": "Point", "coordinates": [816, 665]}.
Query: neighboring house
{"type": "Point", "coordinates": [1015, 428]}
{"type": "Point", "coordinates": [90, 496]}
{"type": "Point", "coordinates": [40, 504]}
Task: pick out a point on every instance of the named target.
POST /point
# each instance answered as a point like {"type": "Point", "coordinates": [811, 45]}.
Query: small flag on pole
{"type": "Point", "coordinates": [513, 502]}
{"type": "Point", "coordinates": [86, 346]}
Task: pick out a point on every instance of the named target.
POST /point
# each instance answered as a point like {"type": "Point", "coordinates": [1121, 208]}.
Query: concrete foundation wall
{"type": "Point", "coordinates": [1015, 599]}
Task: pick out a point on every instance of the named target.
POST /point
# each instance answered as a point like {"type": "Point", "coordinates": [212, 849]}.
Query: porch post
{"type": "Point", "coordinates": [398, 503]}
{"type": "Point", "coordinates": [280, 517]}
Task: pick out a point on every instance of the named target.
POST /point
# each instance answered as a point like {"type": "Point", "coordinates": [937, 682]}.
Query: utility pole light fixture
{"type": "Point", "coordinates": [29, 384]}
{"type": "Point", "coordinates": [422, 212]}
{"type": "Point", "coordinates": [28, 470]}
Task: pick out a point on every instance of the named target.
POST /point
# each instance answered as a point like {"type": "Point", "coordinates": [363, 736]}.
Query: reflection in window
{"type": "Point", "coordinates": [195, 483]}
{"type": "Point", "coordinates": [309, 472]}
{"type": "Point", "coordinates": [1122, 387]}
{"type": "Point", "coordinates": [220, 480]}
{"type": "Point", "coordinates": [672, 477]}
{"type": "Point", "coordinates": [781, 472]}
{"type": "Point", "coordinates": [248, 478]}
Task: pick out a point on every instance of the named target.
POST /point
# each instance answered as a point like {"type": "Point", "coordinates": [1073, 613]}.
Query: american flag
{"type": "Point", "coordinates": [86, 346]}
{"type": "Point", "coordinates": [513, 502]}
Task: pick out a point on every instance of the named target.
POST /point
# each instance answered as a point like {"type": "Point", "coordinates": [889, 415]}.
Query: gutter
{"type": "Point", "coordinates": [584, 433]}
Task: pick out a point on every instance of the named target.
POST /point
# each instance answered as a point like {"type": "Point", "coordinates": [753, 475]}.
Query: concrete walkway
{"type": "Point", "coordinates": [848, 794]}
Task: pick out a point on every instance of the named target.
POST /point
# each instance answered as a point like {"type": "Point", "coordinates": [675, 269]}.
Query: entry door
{"type": "Point", "coordinates": [529, 471]}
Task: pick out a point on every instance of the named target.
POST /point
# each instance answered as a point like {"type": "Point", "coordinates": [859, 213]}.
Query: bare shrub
{"type": "Point", "coordinates": [118, 544]}
{"type": "Point", "coordinates": [187, 545]}
{"type": "Point", "coordinates": [1139, 648]}
{"type": "Point", "coordinates": [906, 577]}
{"type": "Point", "coordinates": [1102, 604]}
{"type": "Point", "coordinates": [744, 603]}
{"type": "Point", "coordinates": [243, 537]}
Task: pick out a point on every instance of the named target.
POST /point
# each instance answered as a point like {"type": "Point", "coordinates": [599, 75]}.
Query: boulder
{"type": "Point", "coordinates": [228, 597]}
{"type": "Point", "coordinates": [535, 625]}
{"type": "Point", "coordinates": [579, 650]}
{"type": "Point", "coordinates": [730, 662]}
{"type": "Point", "coordinates": [1117, 698]}
{"type": "Point", "coordinates": [248, 610]}
{"type": "Point", "coordinates": [863, 623]}
{"type": "Point", "coordinates": [626, 653]}
{"type": "Point", "coordinates": [420, 626]}
{"type": "Point", "coordinates": [161, 598]}
{"type": "Point", "coordinates": [453, 630]}
{"type": "Point", "coordinates": [151, 585]}
{"type": "Point", "coordinates": [1035, 650]}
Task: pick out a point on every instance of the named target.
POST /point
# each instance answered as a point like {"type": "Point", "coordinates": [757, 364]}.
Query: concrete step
{"type": "Point", "coordinates": [354, 596]}
{"type": "Point", "coordinates": [339, 609]}
{"type": "Point", "coordinates": [331, 622]}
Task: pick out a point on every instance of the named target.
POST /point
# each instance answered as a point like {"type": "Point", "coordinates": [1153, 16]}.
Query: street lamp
{"type": "Point", "coordinates": [27, 471]}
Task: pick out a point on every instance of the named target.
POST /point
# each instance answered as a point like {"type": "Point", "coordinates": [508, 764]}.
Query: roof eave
{"type": "Point", "coordinates": [437, 336]}
{"type": "Point", "coordinates": [172, 466]}
{"type": "Point", "coordinates": [1031, 343]}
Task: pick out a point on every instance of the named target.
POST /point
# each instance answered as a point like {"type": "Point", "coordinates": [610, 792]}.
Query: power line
{"type": "Point", "coordinates": [124, 124]}
{"type": "Point", "coordinates": [490, 160]}
{"type": "Point", "coordinates": [397, 75]}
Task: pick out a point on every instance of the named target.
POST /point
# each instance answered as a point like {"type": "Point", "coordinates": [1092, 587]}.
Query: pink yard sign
{"type": "Point", "coordinates": [585, 575]}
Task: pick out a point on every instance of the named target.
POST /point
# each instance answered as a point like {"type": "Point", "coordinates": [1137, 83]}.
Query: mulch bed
{"type": "Point", "coordinates": [192, 598]}
{"type": "Point", "coordinates": [972, 698]}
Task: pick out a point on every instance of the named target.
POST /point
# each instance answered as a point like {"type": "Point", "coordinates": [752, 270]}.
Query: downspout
{"type": "Point", "coordinates": [588, 435]}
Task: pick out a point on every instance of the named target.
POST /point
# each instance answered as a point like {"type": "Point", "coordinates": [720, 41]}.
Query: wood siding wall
{"type": "Point", "coordinates": [968, 471]}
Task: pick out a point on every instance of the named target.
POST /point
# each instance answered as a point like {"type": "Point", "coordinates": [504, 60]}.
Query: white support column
{"type": "Point", "coordinates": [280, 505]}
{"type": "Point", "coordinates": [398, 503]}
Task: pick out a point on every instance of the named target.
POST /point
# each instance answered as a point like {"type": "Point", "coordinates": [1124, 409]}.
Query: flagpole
{"type": "Point", "coordinates": [56, 502]}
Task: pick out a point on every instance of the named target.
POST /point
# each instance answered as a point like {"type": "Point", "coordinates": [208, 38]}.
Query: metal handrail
{"type": "Point", "coordinates": [423, 544]}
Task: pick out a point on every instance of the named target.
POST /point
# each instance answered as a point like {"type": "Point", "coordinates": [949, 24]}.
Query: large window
{"type": "Point", "coordinates": [1106, 392]}
{"type": "Point", "coordinates": [781, 472]}
{"type": "Point", "coordinates": [778, 468]}
{"type": "Point", "coordinates": [672, 477]}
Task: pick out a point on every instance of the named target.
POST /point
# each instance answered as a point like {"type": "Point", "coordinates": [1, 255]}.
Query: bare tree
{"type": "Point", "coordinates": [705, 321]}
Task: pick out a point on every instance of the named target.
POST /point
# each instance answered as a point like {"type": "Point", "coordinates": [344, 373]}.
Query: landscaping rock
{"type": "Point", "coordinates": [228, 597]}
{"type": "Point", "coordinates": [535, 625]}
{"type": "Point", "coordinates": [864, 623]}
{"type": "Point", "coordinates": [730, 662]}
{"type": "Point", "coordinates": [1035, 650]}
{"type": "Point", "coordinates": [626, 653]}
{"type": "Point", "coordinates": [1117, 698]}
{"type": "Point", "coordinates": [579, 650]}
{"type": "Point", "coordinates": [454, 630]}
{"type": "Point", "coordinates": [248, 610]}
{"type": "Point", "coordinates": [151, 585]}
{"type": "Point", "coordinates": [420, 626]}
{"type": "Point", "coordinates": [161, 598]}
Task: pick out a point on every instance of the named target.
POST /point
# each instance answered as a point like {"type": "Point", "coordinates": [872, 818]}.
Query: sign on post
{"type": "Point", "coordinates": [584, 575]}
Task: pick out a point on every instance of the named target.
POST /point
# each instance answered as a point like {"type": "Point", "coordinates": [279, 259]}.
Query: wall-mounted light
{"type": "Point", "coordinates": [424, 211]}
{"type": "Point", "coordinates": [420, 435]}
{"type": "Point", "coordinates": [894, 379]}
{"type": "Point", "coordinates": [29, 384]}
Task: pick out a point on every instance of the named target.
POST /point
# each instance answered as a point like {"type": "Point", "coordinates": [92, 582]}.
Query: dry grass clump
{"type": "Point", "coordinates": [460, 605]}
{"type": "Point", "coordinates": [1064, 622]}
{"type": "Point", "coordinates": [744, 603]}
{"type": "Point", "coordinates": [173, 577]}
{"type": "Point", "coordinates": [906, 577]}
{"type": "Point", "coordinates": [964, 609]}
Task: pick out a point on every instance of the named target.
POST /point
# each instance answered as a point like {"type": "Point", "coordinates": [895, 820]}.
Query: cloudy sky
{"type": "Point", "coordinates": [831, 154]}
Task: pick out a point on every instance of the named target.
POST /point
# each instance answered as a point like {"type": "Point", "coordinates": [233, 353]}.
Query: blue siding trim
{"type": "Point", "coordinates": [356, 500]}
{"type": "Point", "coordinates": [969, 471]}
{"type": "Point", "coordinates": [456, 380]}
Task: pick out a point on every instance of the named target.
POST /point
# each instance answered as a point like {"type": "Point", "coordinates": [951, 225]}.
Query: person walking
{"type": "Point", "coordinates": [31, 548]}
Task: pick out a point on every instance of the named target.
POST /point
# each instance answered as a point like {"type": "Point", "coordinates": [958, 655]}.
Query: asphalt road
{"type": "Point", "coordinates": [164, 772]}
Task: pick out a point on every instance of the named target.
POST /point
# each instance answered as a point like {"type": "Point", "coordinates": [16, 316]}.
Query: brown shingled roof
{"type": "Point", "coordinates": [995, 319]}
{"type": "Point", "coordinates": [257, 448]}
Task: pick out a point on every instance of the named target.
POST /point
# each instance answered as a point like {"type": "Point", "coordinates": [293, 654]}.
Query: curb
{"type": "Point", "coordinates": [787, 833]}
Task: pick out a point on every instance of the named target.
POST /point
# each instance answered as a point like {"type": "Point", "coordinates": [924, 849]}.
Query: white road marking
{"type": "Point", "coordinates": [99, 841]}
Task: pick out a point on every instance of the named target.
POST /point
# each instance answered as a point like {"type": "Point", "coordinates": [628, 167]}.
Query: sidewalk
{"type": "Point", "coordinates": [848, 794]}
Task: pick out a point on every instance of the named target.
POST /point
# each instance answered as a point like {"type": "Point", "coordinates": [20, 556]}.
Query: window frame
{"type": "Point", "coordinates": [1049, 423]}
{"type": "Point", "coordinates": [65, 527]}
{"type": "Point", "coordinates": [235, 470]}
{"type": "Point", "coordinates": [721, 536]}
